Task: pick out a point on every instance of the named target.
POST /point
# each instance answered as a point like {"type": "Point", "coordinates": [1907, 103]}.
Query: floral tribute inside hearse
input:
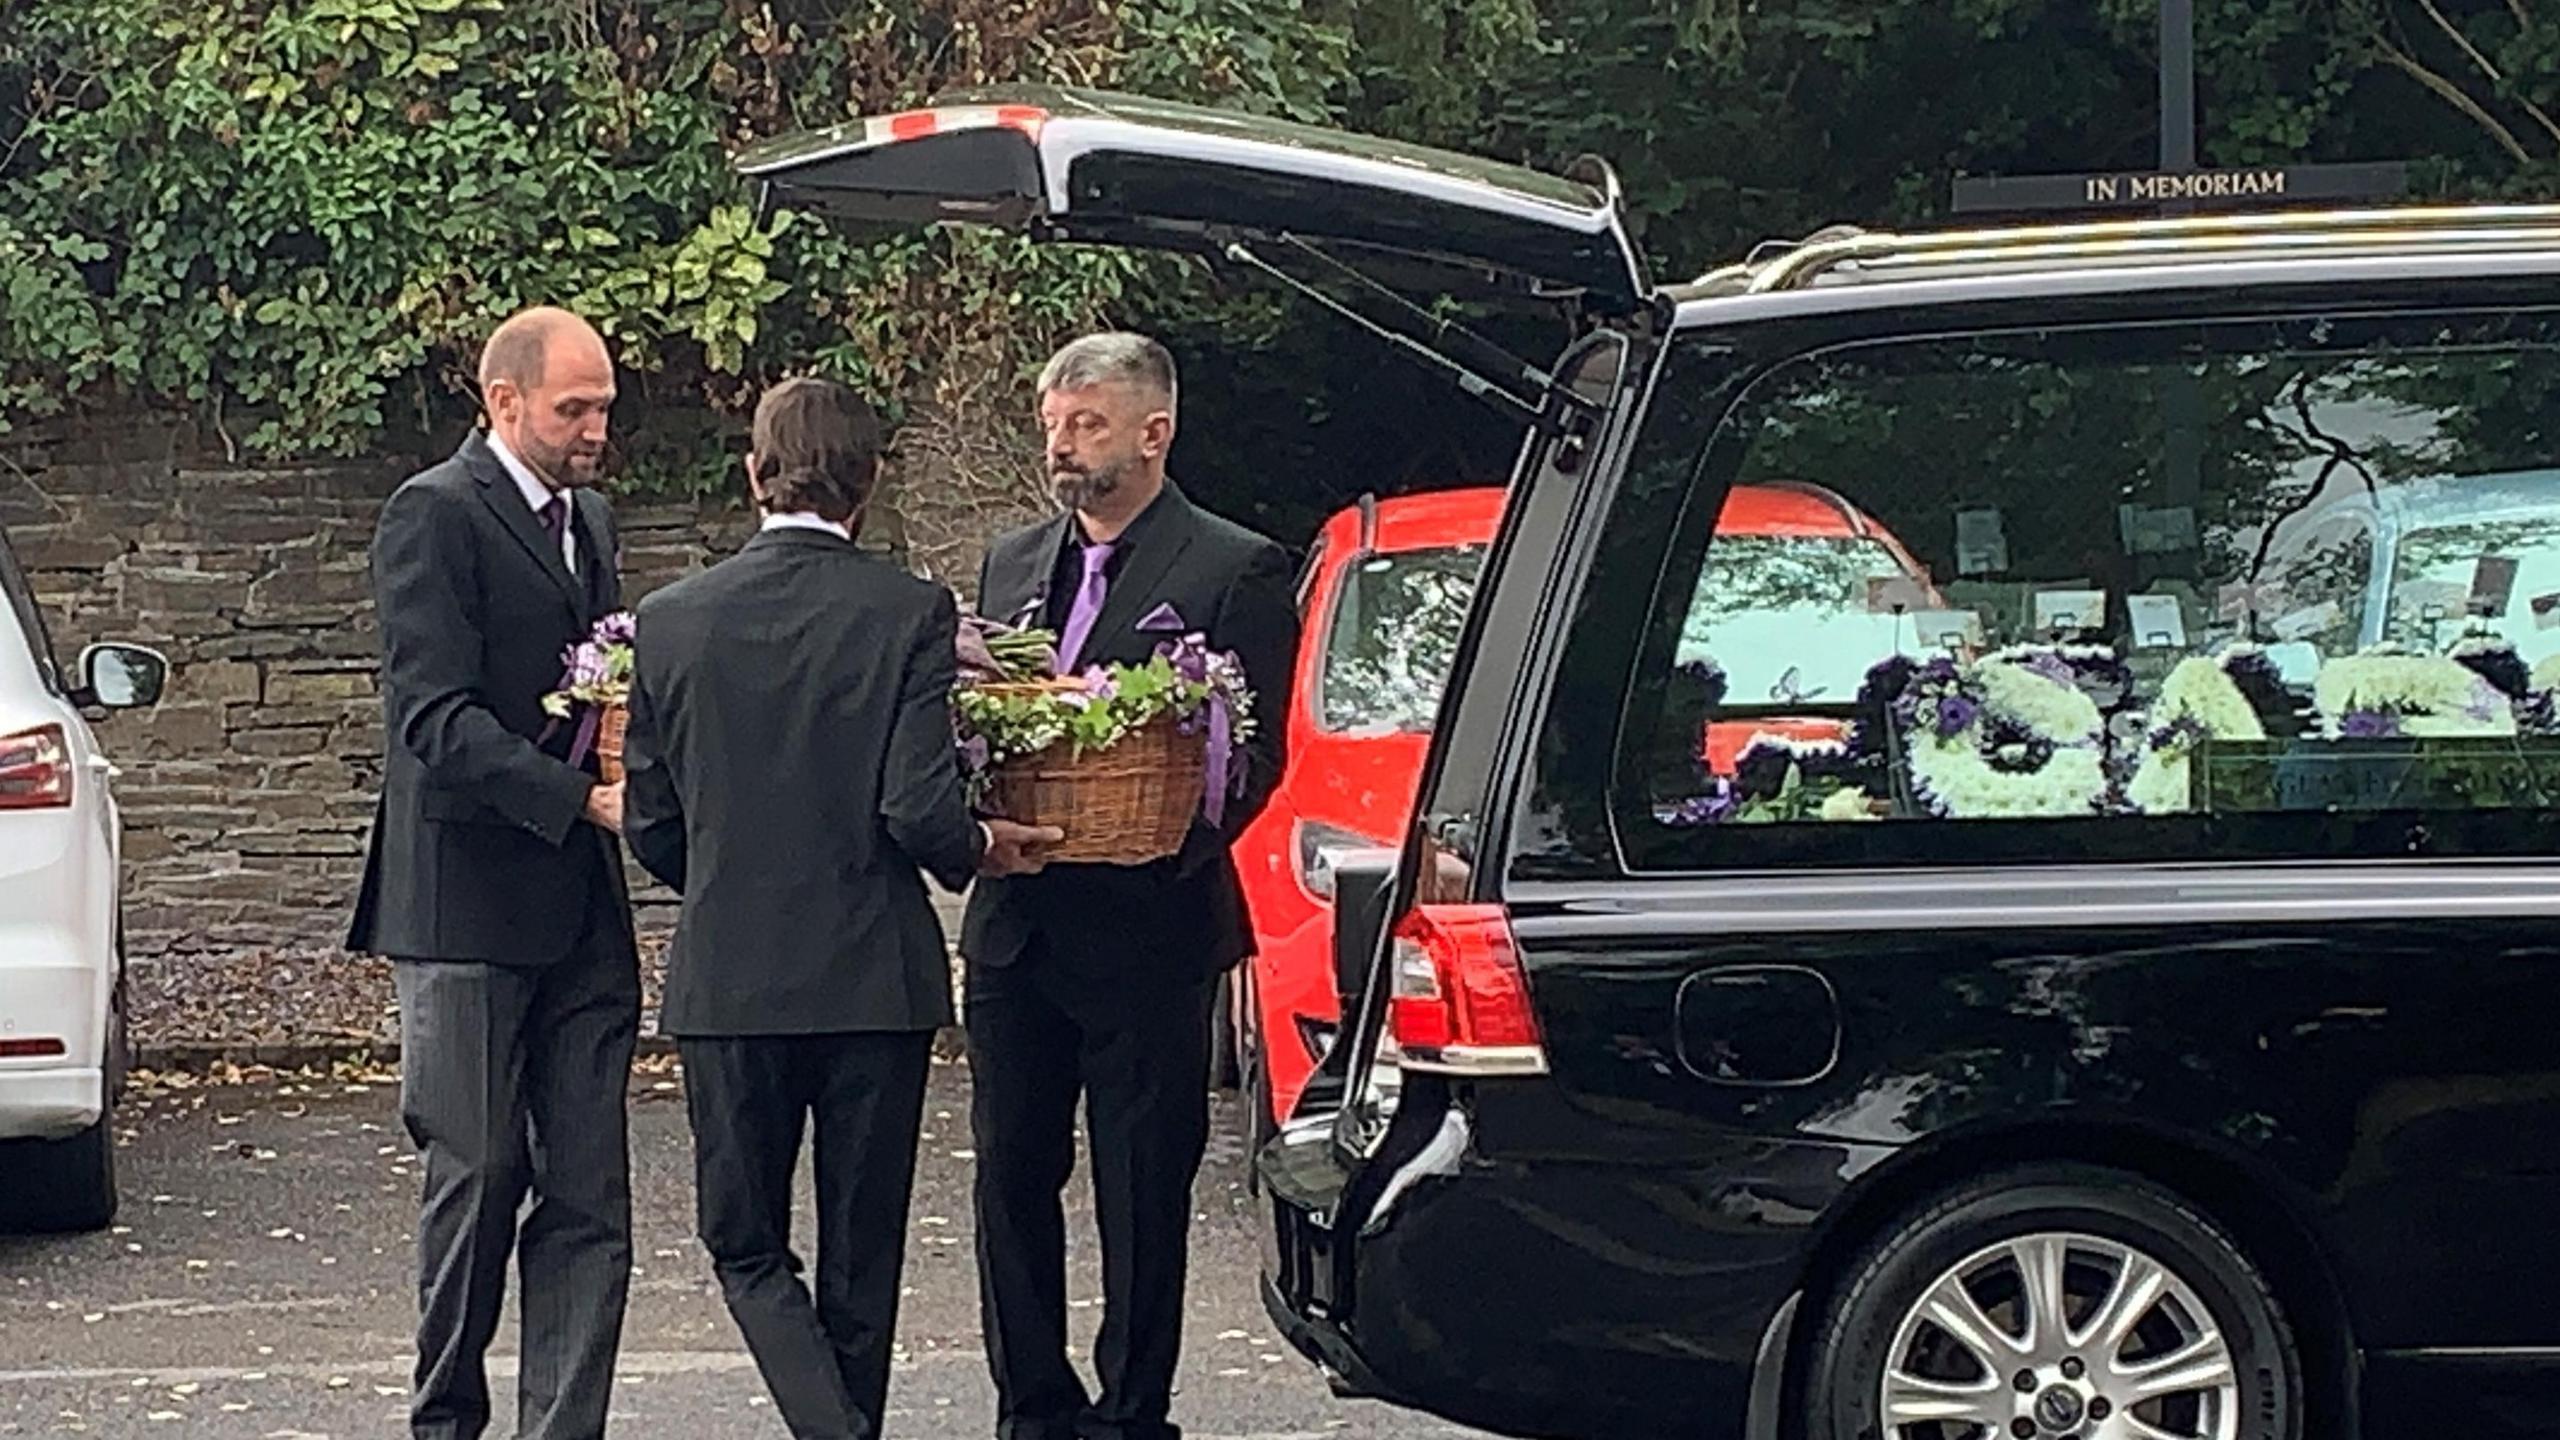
{"type": "Point", "coordinates": [2266, 582]}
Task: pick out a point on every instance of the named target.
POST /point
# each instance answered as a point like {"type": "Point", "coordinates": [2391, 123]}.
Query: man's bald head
{"type": "Point", "coordinates": [519, 350]}
{"type": "Point", "coordinates": [546, 380]}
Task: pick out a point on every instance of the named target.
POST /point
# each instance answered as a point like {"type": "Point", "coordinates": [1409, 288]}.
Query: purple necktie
{"type": "Point", "coordinates": [555, 523]}
{"type": "Point", "coordinates": [1086, 609]}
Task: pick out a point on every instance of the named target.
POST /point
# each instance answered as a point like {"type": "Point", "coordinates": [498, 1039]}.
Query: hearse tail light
{"type": "Point", "coordinates": [35, 769]}
{"type": "Point", "coordinates": [1460, 1000]}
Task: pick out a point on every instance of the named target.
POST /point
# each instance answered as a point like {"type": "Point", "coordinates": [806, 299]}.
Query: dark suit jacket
{"type": "Point", "coordinates": [791, 767]}
{"type": "Point", "coordinates": [478, 851]}
{"type": "Point", "coordinates": [1180, 918]}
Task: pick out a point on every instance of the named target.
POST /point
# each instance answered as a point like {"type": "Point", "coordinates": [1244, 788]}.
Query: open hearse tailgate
{"type": "Point", "coordinates": [1080, 165]}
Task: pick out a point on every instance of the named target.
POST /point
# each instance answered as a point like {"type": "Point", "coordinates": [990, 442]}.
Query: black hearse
{"type": "Point", "coordinates": [2115, 998]}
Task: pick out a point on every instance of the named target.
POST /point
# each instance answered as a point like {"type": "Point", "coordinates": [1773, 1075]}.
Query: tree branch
{"type": "Point", "coordinates": [2454, 33]}
{"type": "Point", "coordinates": [2451, 94]}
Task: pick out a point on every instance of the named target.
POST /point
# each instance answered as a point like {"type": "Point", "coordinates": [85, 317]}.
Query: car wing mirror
{"type": "Point", "coordinates": [121, 677]}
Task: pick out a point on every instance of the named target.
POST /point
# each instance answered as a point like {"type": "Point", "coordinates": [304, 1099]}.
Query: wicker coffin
{"type": "Point", "coordinates": [1126, 805]}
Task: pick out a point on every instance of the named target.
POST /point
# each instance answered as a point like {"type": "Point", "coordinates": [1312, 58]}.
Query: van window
{"type": "Point", "coordinates": [2072, 593]}
{"type": "Point", "coordinates": [1393, 637]}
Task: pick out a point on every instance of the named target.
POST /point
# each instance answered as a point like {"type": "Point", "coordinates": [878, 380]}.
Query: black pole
{"type": "Point", "coordinates": [2182, 400]}
{"type": "Point", "coordinates": [2177, 85]}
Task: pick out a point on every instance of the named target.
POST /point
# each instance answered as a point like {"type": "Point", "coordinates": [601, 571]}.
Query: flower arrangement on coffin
{"type": "Point", "coordinates": [1121, 757]}
{"type": "Point", "coordinates": [2203, 699]}
{"type": "Point", "coordinates": [2387, 692]}
{"type": "Point", "coordinates": [1776, 779]}
{"type": "Point", "coordinates": [2008, 736]}
{"type": "Point", "coordinates": [595, 689]}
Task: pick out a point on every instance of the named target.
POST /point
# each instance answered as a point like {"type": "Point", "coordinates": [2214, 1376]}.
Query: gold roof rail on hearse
{"type": "Point", "coordinates": [1845, 254]}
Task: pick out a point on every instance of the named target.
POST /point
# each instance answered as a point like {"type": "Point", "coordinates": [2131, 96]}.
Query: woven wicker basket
{"type": "Point", "coordinates": [609, 743]}
{"type": "Point", "coordinates": [1127, 805]}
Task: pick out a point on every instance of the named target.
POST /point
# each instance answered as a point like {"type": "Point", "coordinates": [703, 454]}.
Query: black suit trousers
{"type": "Point", "coordinates": [1040, 1031]}
{"type": "Point", "coordinates": [826, 1361]}
{"type": "Point", "coordinates": [513, 1079]}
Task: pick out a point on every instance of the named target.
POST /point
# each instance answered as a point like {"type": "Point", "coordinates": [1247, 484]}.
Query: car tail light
{"type": "Point", "coordinates": [1460, 1000]}
{"type": "Point", "coordinates": [35, 769]}
{"type": "Point", "coordinates": [41, 1049]}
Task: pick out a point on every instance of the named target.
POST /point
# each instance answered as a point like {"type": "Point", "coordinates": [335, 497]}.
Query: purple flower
{"type": "Point", "coordinates": [615, 629]}
{"type": "Point", "coordinates": [1190, 657]}
{"type": "Point", "coordinates": [1955, 712]}
{"type": "Point", "coordinates": [975, 754]}
{"type": "Point", "coordinates": [2052, 667]}
{"type": "Point", "coordinates": [1714, 806]}
{"type": "Point", "coordinates": [2369, 725]}
{"type": "Point", "coordinates": [2183, 731]}
{"type": "Point", "coordinates": [1098, 683]}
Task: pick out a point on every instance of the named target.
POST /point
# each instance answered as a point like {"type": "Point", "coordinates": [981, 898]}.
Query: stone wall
{"type": "Point", "coordinates": [247, 791]}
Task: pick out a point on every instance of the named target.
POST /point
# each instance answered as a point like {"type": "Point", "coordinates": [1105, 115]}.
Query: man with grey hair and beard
{"type": "Point", "coordinates": [1101, 978]}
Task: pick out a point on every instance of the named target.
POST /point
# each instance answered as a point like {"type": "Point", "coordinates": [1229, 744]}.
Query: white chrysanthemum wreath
{"type": "Point", "coordinates": [2198, 701]}
{"type": "Point", "coordinates": [2386, 692]}
{"type": "Point", "coordinates": [2002, 738]}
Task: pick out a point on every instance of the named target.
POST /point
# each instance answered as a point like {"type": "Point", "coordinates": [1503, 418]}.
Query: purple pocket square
{"type": "Point", "coordinates": [1163, 618]}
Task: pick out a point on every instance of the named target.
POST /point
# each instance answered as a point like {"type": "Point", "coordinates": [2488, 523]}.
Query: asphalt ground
{"type": "Point", "coordinates": [259, 1285]}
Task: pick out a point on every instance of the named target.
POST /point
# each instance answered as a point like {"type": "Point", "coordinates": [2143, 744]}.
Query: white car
{"type": "Point", "coordinates": [62, 1043]}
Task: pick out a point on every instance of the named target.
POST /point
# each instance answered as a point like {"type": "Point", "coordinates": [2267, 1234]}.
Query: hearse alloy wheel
{"type": "Point", "coordinates": [2055, 1304]}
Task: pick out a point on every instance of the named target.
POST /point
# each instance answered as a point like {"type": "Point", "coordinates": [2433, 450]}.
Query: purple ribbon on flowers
{"type": "Point", "coordinates": [1221, 735]}
{"type": "Point", "coordinates": [1166, 620]}
{"type": "Point", "coordinates": [585, 739]}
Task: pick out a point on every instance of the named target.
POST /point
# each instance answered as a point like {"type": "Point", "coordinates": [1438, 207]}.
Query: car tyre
{"type": "Point", "coordinates": [2112, 1239]}
{"type": "Point", "coordinates": [61, 1187]}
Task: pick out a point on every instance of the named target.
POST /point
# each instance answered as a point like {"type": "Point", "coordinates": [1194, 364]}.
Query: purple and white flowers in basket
{"type": "Point", "coordinates": [1009, 705]}
{"type": "Point", "coordinates": [595, 679]}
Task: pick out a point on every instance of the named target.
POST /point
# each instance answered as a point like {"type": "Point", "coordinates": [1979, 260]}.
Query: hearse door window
{"type": "Point", "coordinates": [2279, 589]}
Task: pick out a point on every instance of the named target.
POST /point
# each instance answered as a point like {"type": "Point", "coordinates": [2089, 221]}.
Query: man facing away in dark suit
{"type": "Point", "coordinates": [1099, 978]}
{"type": "Point", "coordinates": [493, 881]}
{"type": "Point", "coordinates": [791, 770]}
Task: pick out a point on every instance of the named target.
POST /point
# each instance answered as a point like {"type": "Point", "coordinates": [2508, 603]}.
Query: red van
{"type": "Point", "coordinates": [1386, 587]}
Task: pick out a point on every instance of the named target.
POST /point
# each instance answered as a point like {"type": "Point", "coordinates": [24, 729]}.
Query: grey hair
{"type": "Point", "coordinates": [1113, 356]}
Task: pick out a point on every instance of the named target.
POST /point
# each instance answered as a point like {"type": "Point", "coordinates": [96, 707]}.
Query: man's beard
{"type": "Point", "coordinates": [558, 464]}
{"type": "Point", "coordinates": [1077, 488]}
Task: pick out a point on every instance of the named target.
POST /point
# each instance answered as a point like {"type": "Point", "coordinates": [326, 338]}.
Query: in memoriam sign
{"type": "Point", "coordinates": [2194, 189]}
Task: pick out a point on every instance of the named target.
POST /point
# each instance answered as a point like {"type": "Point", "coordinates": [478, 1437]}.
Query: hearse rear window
{"type": "Point", "coordinates": [2128, 592]}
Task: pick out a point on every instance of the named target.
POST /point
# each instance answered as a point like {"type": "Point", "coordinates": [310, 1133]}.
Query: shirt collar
{"type": "Point", "coordinates": [803, 520]}
{"type": "Point", "coordinates": [528, 484]}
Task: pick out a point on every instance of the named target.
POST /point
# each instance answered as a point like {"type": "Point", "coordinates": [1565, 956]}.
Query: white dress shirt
{"type": "Point", "coordinates": [538, 495]}
{"type": "Point", "coordinates": [804, 520]}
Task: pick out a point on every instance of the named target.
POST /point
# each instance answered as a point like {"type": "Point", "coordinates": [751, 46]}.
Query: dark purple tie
{"type": "Point", "coordinates": [1086, 608]}
{"type": "Point", "coordinates": [555, 523]}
